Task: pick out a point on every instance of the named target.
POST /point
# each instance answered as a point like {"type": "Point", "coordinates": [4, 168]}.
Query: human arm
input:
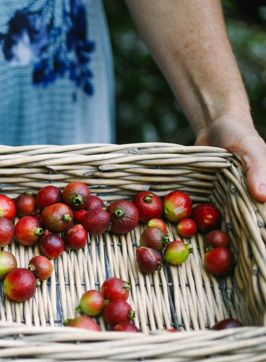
{"type": "Point", "coordinates": [188, 40]}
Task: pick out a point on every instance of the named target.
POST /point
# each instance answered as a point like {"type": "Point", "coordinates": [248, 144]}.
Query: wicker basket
{"type": "Point", "coordinates": [185, 297]}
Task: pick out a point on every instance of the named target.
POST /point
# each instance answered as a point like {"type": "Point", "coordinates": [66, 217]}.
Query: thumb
{"type": "Point", "coordinates": [246, 143]}
{"type": "Point", "coordinates": [253, 156]}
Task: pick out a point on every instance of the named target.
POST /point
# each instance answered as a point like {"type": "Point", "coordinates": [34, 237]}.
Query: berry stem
{"type": "Point", "coordinates": [32, 268]}
{"type": "Point", "coordinates": [148, 199]}
{"type": "Point", "coordinates": [165, 240]}
{"type": "Point", "coordinates": [119, 212]}
{"type": "Point", "coordinates": [127, 286]}
{"type": "Point", "coordinates": [132, 315]}
{"type": "Point", "coordinates": [39, 231]}
{"type": "Point", "coordinates": [77, 200]}
{"type": "Point", "coordinates": [67, 218]}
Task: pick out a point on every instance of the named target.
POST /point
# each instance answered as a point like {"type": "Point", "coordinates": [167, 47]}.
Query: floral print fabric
{"type": "Point", "coordinates": [57, 50]}
{"type": "Point", "coordinates": [56, 73]}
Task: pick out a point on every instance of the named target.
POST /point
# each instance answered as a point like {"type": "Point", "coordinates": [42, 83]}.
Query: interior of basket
{"type": "Point", "coordinates": [185, 297]}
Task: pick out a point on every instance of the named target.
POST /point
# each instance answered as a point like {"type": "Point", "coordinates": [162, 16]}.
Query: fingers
{"type": "Point", "coordinates": [245, 142]}
{"type": "Point", "coordinates": [252, 152]}
{"type": "Point", "coordinates": [202, 138]}
{"type": "Point", "coordinates": [254, 157]}
{"type": "Point", "coordinates": [256, 181]}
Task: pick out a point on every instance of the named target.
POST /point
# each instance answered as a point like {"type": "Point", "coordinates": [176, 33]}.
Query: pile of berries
{"type": "Point", "coordinates": [58, 220]}
{"type": "Point", "coordinates": [111, 302]}
{"type": "Point", "coordinates": [177, 207]}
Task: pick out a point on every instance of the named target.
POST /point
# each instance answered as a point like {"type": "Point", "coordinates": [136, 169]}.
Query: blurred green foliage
{"type": "Point", "coordinates": [146, 107]}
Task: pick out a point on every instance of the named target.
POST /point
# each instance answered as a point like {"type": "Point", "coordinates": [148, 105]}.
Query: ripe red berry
{"type": "Point", "coordinates": [117, 311]}
{"type": "Point", "coordinates": [153, 238]}
{"type": "Point", "coordinates": [177, 206]}
{"type": "Point", "coordinates": [91, 303]}
{"type": "Point", "coordinates": [149, 205]}
{"type": "Point", "coordinates": [96, 221]}
{"type": "Point", "coordinates": [148, 260]}
{"type": "Point", "coordinates": [177, 252]}
{"type": "Point", "coordinates": [25, 204]}
{"type": "Point", "coordinates": [51, 245]}
{"type": "Point", "coordinates": [115, 289]}
{"type": "Point", "coordinates": [7, 207]}
{"type": "Point", "coordinates": [125, 327]}
{"type": "Point", "coordinates": [41, 267]}
{"type": "Point", "coordinates": [76, 237]}
{"type": "Point", "coordinates": [84, 322]}
{"type": "Point", "coordinates": [8, 262]}
{"type": "Point", "coordinates": [216, 238]}
{"type": "Point", "coordinates": [159, 224]}
{"type": "Point", "coordinates": [6, 231]}
{"type": "Point", "coordinates": [79, 214]}
{"type": "Point", "coordinates": [124, 216]}
{"type": "Point", "coordinates": [227, 323]}
{"type": "Point", "coordinates": [219, 261]}
{"type": "Point", "coordinates": [207, 217]}
{"type": "Point", "coordinates": [28, 230]}
{"type": "Point", "coordinates": [48, 195]}
{"type": "Point", "coordinates": [19, 285]}
{"type": "Point", "coordinates": [57, 217]}
{"type": "Point", "coordinates": [75, 194]}
{"type": "Point", "coordinates": [93, 202]}
{"type": "Point", "coordinates": [186, 228]}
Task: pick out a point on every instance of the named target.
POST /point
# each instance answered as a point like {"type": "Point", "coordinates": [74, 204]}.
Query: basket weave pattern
{"type": "Point", "coordinates": [186, 297]}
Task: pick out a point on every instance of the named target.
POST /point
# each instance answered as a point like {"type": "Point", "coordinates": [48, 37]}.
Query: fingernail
{"type": "Point", "coordinates": [262, 188]}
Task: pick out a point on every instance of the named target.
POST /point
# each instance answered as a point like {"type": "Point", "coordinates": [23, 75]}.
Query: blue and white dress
{"type": "Point", "coordinates": [56, 73]}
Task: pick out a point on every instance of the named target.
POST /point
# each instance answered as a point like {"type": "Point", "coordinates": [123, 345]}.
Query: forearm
{"type": "Point", "coordinates": [188, 40]}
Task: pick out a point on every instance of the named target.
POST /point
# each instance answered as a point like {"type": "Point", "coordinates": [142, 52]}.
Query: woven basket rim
{"type": "Point", "coordinates": [122, 167]}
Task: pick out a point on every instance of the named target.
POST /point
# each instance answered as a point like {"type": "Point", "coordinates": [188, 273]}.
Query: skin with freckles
{"type": "Point", "coordinates": [188, 40]}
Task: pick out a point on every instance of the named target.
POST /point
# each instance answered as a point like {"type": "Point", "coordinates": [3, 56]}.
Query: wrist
{"type": "Point", "coordinates": [221, 131]}
{"type": "Point", "coordinates": [223, 100]}
{"type": "Point", "coordinates": [219, 109]}
{"type": "Point", "coordinates": [214, 100]}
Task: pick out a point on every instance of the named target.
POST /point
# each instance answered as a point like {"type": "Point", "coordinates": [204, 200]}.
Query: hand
{"type": "Point", "coordinates": [242, 139]}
